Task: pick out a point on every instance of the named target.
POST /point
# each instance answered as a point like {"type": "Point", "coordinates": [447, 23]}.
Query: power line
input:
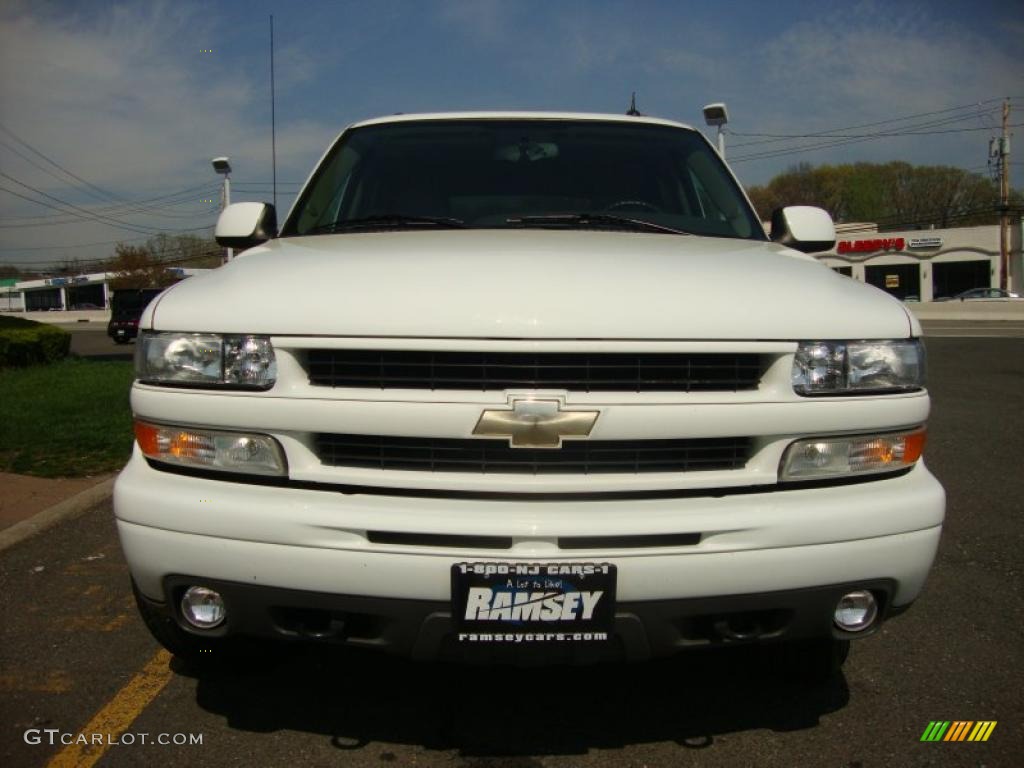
{"type": "Point", "coordinates": [54, 220]}
{"type": "Point", "coordinates": [86, 186]}
{"type": "Point", "coordinates": [39, 166]}
{"type": "Point", "coordinates": [872, 135]}
{"type": "Point", "coordinates": [834, 133]}
{"type": "Point", "coordinates": [97, 192]}
{"type": "Point", "coordinates": [77, 245]}
{"type": "Point", "coordinates": [265, 183]}
{"type": "Point", "coordinates": [832, 142]}
{"type": "Point", "coordinates": [889, 121]}
{"type": "Point", "coordinates": [908, 221]}
{"type": "Point", "coordinates": [54, 163]}
{"type": "Point", "coordinates": [88, 215]}
{"type": "Point", "coordinates": [54, 207]}
{"type": "Point", "coordinates": [261, 191]}
{"type": "Point", "coordinates": [48, 205]}
{"type": "Point", "coordinates": [168, 200]}
{"type": "Point", "coordinates": [799, 150]}
{"type": "Point", "coordinates": [105, 264]}
{"type": "Point", "coordinates": [832, 137]}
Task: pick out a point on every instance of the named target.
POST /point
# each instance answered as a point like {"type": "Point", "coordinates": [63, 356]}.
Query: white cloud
{"type": "Point", "coordinates": [889, 62]}
{"type": "Point", "coordinates": [127, 100]}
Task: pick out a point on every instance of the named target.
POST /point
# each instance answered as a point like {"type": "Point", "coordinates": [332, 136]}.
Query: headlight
{"type": "Point", "coordinates": [252, 454]}
{"type": "Point", "coordinates": [205, 359]}
{"type": "Point", "coordinates": [838, 367]}
{"type": "Point", "coordinates": [837, 457]}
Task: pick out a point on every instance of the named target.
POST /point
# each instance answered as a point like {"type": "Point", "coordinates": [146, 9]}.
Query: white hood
{"type": "Point", "coordinates": [536, 284]}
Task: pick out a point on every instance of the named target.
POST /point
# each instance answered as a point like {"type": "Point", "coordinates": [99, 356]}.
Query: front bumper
{"type": "Point", "coordinates": [779, 559]}
{"type": "Point", "coordinates": [425, 630]}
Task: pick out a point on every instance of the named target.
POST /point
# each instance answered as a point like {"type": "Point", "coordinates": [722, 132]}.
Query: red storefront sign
{"type": "Point", "coordinates": [863, 246]}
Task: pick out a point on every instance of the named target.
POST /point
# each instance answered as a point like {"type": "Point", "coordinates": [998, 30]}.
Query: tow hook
{"type": "Point", "coordinates": [728, 630]}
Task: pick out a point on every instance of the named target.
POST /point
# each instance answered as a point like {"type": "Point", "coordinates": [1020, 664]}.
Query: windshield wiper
{"type": "Point", "coordinates": [387, 221]}
{"type": "Point", "coordinates": [590, 219]}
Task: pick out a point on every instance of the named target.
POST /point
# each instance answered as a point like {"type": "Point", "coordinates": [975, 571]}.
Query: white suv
{"type": "Point", "coordinates": [519, 384]}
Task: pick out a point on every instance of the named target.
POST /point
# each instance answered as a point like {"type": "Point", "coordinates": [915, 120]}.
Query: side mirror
{"type": "Point", "coordinates": [243, 225]}
{"type": "Point", "coordinates": [803, 228]}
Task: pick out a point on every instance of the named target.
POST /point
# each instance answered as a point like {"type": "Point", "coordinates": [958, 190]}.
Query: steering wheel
{"type": "Point", "coordinates": [642, 204]}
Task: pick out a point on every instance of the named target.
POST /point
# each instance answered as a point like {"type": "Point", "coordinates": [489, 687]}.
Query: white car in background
{"type": "Point", "coordinates": [983, 294]}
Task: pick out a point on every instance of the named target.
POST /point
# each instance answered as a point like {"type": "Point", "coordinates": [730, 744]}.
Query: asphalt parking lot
{"type": "Point", "coordinates": [75, 658]}
{"type": "Point", "coordinates": [91, 340]}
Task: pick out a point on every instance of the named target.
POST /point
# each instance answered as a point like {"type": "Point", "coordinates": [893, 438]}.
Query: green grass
{"type": "Point", "coordinates": [66, 419]}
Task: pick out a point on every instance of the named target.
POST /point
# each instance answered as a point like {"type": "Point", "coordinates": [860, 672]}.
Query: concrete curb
{"type": "Point", "coordinates": [68, 509]}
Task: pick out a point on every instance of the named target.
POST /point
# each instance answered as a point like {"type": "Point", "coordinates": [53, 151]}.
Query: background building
{"type": "Point", "coordinates": [925, 264]}
{"type": "Point", "coordinates": [91, 291]}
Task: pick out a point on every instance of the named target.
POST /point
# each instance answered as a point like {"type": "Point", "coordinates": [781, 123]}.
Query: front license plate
{"type": "Point", "coordinates": [120, 332]}
{"type": "Point", "coordinates": [533, 602]}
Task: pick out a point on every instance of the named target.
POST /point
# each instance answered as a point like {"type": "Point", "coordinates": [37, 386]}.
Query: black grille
{"type": "Point", "coordinates": [582, 457]}
{"type": "Point", "coordinates": [579, 372]}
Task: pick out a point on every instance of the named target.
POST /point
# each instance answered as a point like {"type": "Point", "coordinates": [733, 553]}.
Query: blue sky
{"type": "Point", "coordinates": [124, 96]}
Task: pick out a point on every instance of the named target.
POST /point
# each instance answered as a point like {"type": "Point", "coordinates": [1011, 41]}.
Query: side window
{"type": "Point", "coordinates": [716, 194]}
{"type": "Point", "coordinates": [708, 209]}
{"type": "Point", "coordinates": [322, 206]}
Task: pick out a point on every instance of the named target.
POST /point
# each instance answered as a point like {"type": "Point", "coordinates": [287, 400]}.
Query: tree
{"type": "Point", "coordinates": [894, 195]}
{"type": "Point", "coordinates": [71, 267]}
{"type": "Point", "coordinates": [150, 265]}
{"type": "Point", "coordinates": [802, 184]}
{"type": "Point", "coordinates": [184, 250]}
{"type": "Point", "coordinates": [135, 267]}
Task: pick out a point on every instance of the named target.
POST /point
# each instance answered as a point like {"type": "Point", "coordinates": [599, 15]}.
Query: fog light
{"type": "Point", "coordinates": [856, 611]}
{"type": "Point", "coordinates": [202, 607]}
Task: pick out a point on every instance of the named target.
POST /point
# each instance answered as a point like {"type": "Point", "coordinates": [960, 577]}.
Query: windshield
{"type": "Point", "coordinates": [516, 173]}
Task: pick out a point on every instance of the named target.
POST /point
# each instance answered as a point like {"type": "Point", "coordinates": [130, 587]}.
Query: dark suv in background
{"type": "Point", "coordinates": [126, 307]}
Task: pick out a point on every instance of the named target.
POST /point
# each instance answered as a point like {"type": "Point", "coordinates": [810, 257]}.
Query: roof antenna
{"type": "Point", "coordinates": [633, 111]}
{"type": "Point", "coordinates": [273, 126]}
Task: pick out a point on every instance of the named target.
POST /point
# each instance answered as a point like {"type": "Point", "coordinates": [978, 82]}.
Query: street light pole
{"type": "Point", "coordinates": [222, 165]}
{"type": "Point", "coordinates": [717, 115]}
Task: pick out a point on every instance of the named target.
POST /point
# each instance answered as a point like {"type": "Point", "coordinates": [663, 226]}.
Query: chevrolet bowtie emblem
{"type": "Point", "coordinates": [535, 423]}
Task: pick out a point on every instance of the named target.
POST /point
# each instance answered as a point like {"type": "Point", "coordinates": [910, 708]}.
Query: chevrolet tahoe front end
{"type": "Point", "coordinates": [513, 384]}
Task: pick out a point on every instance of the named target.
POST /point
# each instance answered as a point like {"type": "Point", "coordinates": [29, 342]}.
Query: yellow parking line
{"type": "Point", "coordinates": [118, 714]}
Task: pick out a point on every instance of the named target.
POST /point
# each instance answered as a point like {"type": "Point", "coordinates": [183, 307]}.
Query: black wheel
{"type": "Point", "coordinates": [189, 648]}
{"type": "Point", "coordinates": [118, 340]}
{"type": "Point", "coordinates": [815, 661]}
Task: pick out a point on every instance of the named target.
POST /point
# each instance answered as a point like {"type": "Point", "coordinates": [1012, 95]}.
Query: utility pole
{"type": "Point", "coordinates": [1004, 201]}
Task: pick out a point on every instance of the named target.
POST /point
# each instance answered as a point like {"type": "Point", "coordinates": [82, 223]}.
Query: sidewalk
{"type": "Point", "coordinates": [22, 496]}
{"type": "Point", "coordinates": [969, 311]}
